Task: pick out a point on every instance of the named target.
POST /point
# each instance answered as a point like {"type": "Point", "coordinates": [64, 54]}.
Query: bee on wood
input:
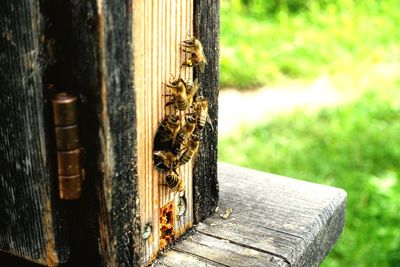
{"type": "Point", "coordinates": [197, 56]}
{"type": "Point", "coordinates": [184, 133]}
{"type": "Point", "coordinates": [174, 181]}
{"type": "Point", "coordinates": [165, 160]}
{"type": "Point", "coordinates": [192, 85]}
{"type": "Point", "coordinates": [190, 150]}
{"type": "Point", "coordinates": [166, 132]}
{"type": "Point", "coordinates": [201, 111]}
{"type": "Point", "coordinates": [182, 93]}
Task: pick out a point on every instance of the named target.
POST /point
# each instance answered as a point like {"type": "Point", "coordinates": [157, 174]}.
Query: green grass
{"type": "Point", "coordinates": [355, 147]}
{"type": "Point", "coordinates": [261, 46]}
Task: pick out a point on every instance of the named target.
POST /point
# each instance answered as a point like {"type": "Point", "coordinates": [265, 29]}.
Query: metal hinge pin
{"type": "Point", "coordinates": [69, 151]}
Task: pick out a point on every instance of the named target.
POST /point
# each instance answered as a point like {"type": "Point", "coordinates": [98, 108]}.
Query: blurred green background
{"type": "Point", "coordinates": [354, 146]}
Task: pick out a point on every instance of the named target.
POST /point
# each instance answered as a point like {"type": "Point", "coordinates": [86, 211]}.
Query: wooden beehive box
{"type": "Point", "coordinates": [114, 56]}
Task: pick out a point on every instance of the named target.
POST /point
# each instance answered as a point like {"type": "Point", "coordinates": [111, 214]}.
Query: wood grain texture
{"type": "Point", "coordinates": [103, 75]}
{"type": "Point", "coordinates": [206, 28]}
{"type": "Point", "coordinates": [30, 225]}
{"type": "Point", "coordinates": [159, 27]}
{"type": "Point", "coordinates": [217, 252]}
{"type": "Point", "coordinates": [276, 221]}
{"type": "Point", "coordinates": [88, 49]}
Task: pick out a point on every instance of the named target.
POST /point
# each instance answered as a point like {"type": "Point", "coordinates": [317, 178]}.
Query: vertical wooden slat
{"type": "Point", "coordinates": [119, 187]}
{"type": "Point", "coordinates": [29, 220]}
{"type": "Point", "coordinates": [206, 27]}
{"type": "Point", "coordinates": [103, 75]}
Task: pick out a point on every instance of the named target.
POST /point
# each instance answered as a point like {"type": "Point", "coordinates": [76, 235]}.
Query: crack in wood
{"type": "Point", "coordinates": [198, 256]}
{"type": "Point", "coordinates": [246, 246]}
{"type": "Point", "coordinates": [282, 232]}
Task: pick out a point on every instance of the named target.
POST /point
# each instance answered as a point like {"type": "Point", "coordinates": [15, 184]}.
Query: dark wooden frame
{"type": "Point", "coordinates": [32, 220]}
{"type": "Point", "coordinates": [206, 27]}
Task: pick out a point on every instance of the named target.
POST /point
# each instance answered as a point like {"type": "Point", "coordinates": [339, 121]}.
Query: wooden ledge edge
{"type": "Point", "coordinates": [275, 221]}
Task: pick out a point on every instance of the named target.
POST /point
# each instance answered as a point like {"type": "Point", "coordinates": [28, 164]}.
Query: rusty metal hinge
{"type": "Point", "coordinates": [69, 151]}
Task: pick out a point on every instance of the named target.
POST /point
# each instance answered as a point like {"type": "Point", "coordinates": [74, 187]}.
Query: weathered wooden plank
{"type": "Point", "coordinates": [206, 28]}
{"type": "Point", "coordinates": [102, 54]}
{"type": "Point", "coordinates": [30, 225]}
{"type": "Point", "coordinates": [119, 134]}
{"type": "Point", "coordinates": [174, 258]}
{"type": "Point", "coordinates": [293, 222]}
{"type": "Point", "coordinates": [223, 252]}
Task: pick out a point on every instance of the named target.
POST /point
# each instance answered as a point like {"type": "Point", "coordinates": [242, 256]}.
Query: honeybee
{"type": "Point", "coordinates": [174, 181]}
{"type": "Point", "coordinates": [165, 160]}
{"type": "Point", "coordinates": [190, 150]}
{"type": "Point", "coordinates": [195, 49]}
{"type": "Point", "coordinates": [182, 93]}
{"type": "Point", "coordinates": [184, 133]}
{"type": "Point", "coordinates": [201, 111]}
{"type": "Point", "coordinates": [166, 132]}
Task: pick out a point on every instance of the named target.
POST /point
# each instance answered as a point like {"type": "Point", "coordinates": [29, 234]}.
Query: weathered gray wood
{"type": "Point", "coordinates": [206, 27]}
{"type": "Point", "coordinates": [276, 221]}
{"type": "Point", "coordinates": [174, 258]}
{"type": "Point", "coordinates": [101, 50]}
{"type": "Point", "coordinates": [30, 225]}
{"type": "Point", "coordinates": [220, 252]}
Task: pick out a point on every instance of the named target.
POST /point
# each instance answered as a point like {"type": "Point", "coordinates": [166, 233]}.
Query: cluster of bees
{"type": "Point", "coordinates": [177, 138]}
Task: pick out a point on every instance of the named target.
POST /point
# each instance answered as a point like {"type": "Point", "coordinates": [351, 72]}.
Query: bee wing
{"type": "Point", "coordinates": [195, 88]}
{"type": "Point", "coordinates": [210, 122]}
{"type": "Point", "coordinates": [181, 186]}
{"type": "Point", "coordinates": [158, 159]}
{"type": "Point", "coordinates": [202, 66]}
{"type": "Point", "coordinates": [196, 153]}
{"type": "Point", "coordinates": [204, 58]}
{"type": "Point", "coordinates": [174, 136]}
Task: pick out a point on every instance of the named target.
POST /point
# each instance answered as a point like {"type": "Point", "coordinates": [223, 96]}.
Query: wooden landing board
{"type": "Point", "coordinates": [276, 221]}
